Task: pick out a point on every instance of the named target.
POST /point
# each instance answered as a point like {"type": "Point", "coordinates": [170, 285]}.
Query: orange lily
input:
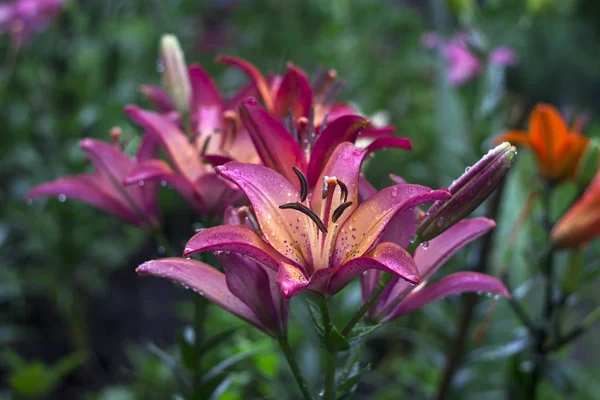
{"type": "Point", "coordinates": [582, 222]}
{"type": "Point", "coordinates": [558, 149]}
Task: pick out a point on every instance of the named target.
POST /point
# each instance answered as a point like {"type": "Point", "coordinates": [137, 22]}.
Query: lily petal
{"type": "Point", "coordinates": [344, 164]}
{"type": "Point", "coordinates": [158, 170]}
{"type": "Point", "coordinates": [235, 238]}
{"type": "Point", "coordinates": [294, 94]}
{"type": "Point", "coordinates": [176, 144]}
{"type": "Point", "coordinates": [291, 280]}
{"type": "Point", "coordinates": [260, 82]}
{"type": "Point", "coordinates": [343, 129]}
{"type": "Point", "coordinates": [87, 188]}
{"type": "Point", "coordinates": [205, 95]}
{"type": "Point", "coordinates": [251, 283]}
{"type": "Point", "coordinates": [158, 98]}
{"type": "Point", "coordinates": [388, 257]}
{"type": "Point", "coordinates": [204, 280]}
{"type": "Point", "coordinates": [364, 226]}
{"type": "Point", "coordinates": [277, 148]}
{"type": "Point", "coordinates": [460, 282]}
{"type": "Point", "coordinates": [387, 142]}
{"type": "Point", "coordinates": [267, 190]}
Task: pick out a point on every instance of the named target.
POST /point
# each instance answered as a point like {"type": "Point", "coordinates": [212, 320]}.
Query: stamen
{"type": "Point", "coordinates": [344, 189]}
{"type": "Point", "coordinates": [248, 213]}
{"type": "Point", "coordinates": [291, 126]}
{"type": "Point", "coordinates": [333, 92]}
{"type": "Point", "coordinates": [311, 128]}
{"type": "Point", "coordinates": [115, 135]}
{"type": "Point", "coordinates": [340, 210]}
{"type": "Point", "coordinates": [327, 181]}
{"type": "Point", "coordinates": [324, 123]}
{"type": "Point", "coordinates": [306, 211]}
{"type": "Point", "coordinates": [205, 145]}
{"type": "Point", "coordinates": [303, 184]}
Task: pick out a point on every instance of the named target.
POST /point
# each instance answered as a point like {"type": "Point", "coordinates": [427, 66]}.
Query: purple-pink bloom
{"type": "Point", "coordinates": [24, 17]}
{"type": "Point", "coordinates": [503, 56]}
{"type": "Point", "coordinates": [400, 298]}
{"type": "Point", "coordinates": [320, 239]}
{"type": "Point", "coordinates": [104, 187]}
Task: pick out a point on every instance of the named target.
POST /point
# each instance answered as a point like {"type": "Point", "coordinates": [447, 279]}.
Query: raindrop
{"type": "Point", "coordinates": [28, 201]}
{"type": "Point", "coordinates": [425, 245]}
{"type": "Point", "coordinates": [62, 198]}
{"type": "Point", "coordinates": [467, 169]}
{"type": "Point", "coordinates": [497, 297]}
{"type": "Point", "coordinates": [185, 286]}
{"type": "Point", "coordinates": [160, 67]}
{"type": "Point", "coordinates": [489, 294]}
{"type": "Point", "coordinates": [161, 249]}
{"type": "Point", "coordinates": [163, 183]}
{"type": "Point", "coordinates": [140, 183]}
{"type": "Point", "coordinates": [188, 258]}
{"type": "Point", "coordinates": [479, 292]}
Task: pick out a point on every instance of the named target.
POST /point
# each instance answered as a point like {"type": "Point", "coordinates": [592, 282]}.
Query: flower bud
{"type": "Point", "coordinates": [175, 75]}
{"type": "Point", "coordinates": [589, 163]}
{"type": "Point", "coordinates": [468, 192]}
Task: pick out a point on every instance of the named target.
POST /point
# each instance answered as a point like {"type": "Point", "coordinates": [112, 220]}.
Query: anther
{"type": "Point", "coordinates": [340, 210]}
{"type": "Point", "coordinates": [306, 211]}
{"type": "Point", "coordinates": [205, 145]}
{"type": "Point", "coordinates": [303, 184]}
{"type": "Point", "coordinates": [248, 213]}
{"type": "Point", "coordinates": [291, 126]}
{"type": "Point", "coordinates": [115, 135]}
{"type": "Point", "coordinates": [327, 182]}
{"type": "Point", "coordinates": [344, 189]}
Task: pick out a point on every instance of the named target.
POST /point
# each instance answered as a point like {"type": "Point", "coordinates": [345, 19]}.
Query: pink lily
{"type": "Point", "coordinates": [320, 239]}
{"type": "Point", "coordinates": [194, 180]}
{"type": "Point", "coordinates": [399, 297]}
{"type": "Point", "coordinates": [104, 187]}
{"type": "Point", "coordinates": [24, 17]}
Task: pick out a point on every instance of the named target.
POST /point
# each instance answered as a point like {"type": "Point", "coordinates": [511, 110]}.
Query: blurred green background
{"type": "Point", "coordinates": [75, 320]}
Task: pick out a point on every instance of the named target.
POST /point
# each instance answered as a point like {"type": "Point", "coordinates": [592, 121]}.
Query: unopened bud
{"type": "Point", "coordinates": [175, 72]}
{"type": "Point", "coordinates": [468, 192]}
{"type": "Point", "coordinates": [589, 163]}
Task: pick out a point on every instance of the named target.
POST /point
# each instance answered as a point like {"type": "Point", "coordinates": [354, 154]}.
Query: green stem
{"type": "Point", "coordinates": [366, 306]}
{"type": "Point", "coordinates": [539, 356]}
{"type": "Point", "coordinates": [329, 393]}
{"type": "Point", "coordinates": [291, 359]}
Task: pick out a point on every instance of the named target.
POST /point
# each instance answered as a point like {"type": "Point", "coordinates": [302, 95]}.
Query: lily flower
{"type": "Point", "coordinates": [558, 150]}
{"type": "Point", "coordinates": [306, 147]}
{"type": "Point", "coordinates": [247, 289]}
{"type": "Point", "coordinates": [104, 187]}
{"type": "Point", "coordinates": [22, 18]}
{"type": "Point", "coordinates": [581, 223]}
{"type": "Point", "coordinates": [194, 180]}
{"type": "Point", "coordinates": [400, 297]}
{"type": "Point", "coordinates": [319, 239]}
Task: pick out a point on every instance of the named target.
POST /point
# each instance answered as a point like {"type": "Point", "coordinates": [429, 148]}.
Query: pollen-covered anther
{"type": "Point", "coordinates": [340, 210]}
{"type": "Point", "coordinates": [329, 183]}
{"type": "Point", "coordinates": [303, 184]}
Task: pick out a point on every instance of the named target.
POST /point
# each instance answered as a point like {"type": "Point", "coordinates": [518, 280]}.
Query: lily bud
{"type": "Point", "coordinates": [175, 73]}
{"type": "Point", "coordinates": [468, 192]}
{"type": "Point", "coordinates": [589, 163]}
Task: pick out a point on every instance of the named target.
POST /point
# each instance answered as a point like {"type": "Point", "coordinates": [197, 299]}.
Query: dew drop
{"type": "Point", "coordinates": [425, 245]}
{"type": "Point", "coordinates": [467, 169]}
{"type": "Point", "coordinates": [161, 249]}
{"type": "Point", "coordinates": [163, 183]}
{"type": "Point", "coordinates": [489, 294]}
{"type": "Point", "coordinates": [62, 198]}
{"type": "Point", "coordinates": [28, 201]}
{"type": "Point", "coordinates": [479, 292]}
{"type": "Point", "coordinates": [160, 67]}
{"type": "Point", "coordinates": [140, 183]}
{"type": "Point", "coordinates": [497, 297]}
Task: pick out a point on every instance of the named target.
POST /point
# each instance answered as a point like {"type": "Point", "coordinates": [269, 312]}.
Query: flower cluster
{"type": "Point", "coordinates": [278, 163]}
{"type": "Point", "coordinates": [22, 18]}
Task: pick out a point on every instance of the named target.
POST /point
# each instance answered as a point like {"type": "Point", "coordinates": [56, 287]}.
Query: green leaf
{"type": "Point", "coordinates": [361, 331]}
{"type": "Point", "coordinates": [335, 341]}
{"type": "Point", "coordinates": [315, 314]}
{"type": "Point", "coordinates": [171, 362]}
{"type": "Point", "coordinates": [348, 386]}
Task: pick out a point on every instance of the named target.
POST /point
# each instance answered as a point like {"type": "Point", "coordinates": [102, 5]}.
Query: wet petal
{"type": "Point", "coordinates": [237, 239]}
{"type": "Point", "coordinates": [365, 189]}
{"type": "Point", "coordinates": [180, 151]}
{"type": "Point", "coordinates": [205, 95]}
{"type": "Point", "coordinates": [160, 171]}
{"type": "Point", "coordinates": [364, 226]}
{"type": "Point", "coordinates": [89, 189]}
{"type": "Point", "coordinates": [389, 142]}
{"type": "Point", "coordinates": [460, 282]}
{"type": "Point", "coordinates": [387, 257]}
{"type": "Point", "coordinates": [344, 164]}
{"type": "Point", "coordinates": [291, 280]}
{"type": "Point", "coordinates": [277, 148]}
{"type": "Point", "coordinates": [251, 283]}
{"type": "Point", "coordinates": [260, 82]}
{"type": "Point", "coordinates": [267, 190]}
{"type": "Point", "coordinates": [204, 280]}
{"type": "Point", "coordinates": [158, 98]}
{"type": "Point", "coordinates": [343, 129]}
{"type": "Point", "coordinates": [294, 94]}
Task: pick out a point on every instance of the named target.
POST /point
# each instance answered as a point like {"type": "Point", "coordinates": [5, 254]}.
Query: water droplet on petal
{"type": "Point", "coordinates": [62, 198]}
{"type": "Point", "coordinates": [161, 249]}
{"type": "Point", "coordinates": [163, 183]}
{"type": "Point", "coordinates": [497, 297]}
{"type": "Point", "coordinates": [467, 169]}
{"type": "Point", "coordinates": [28, 201]}
{"type": "Point", "coordinates": [489, 294]}
{"type": "Point", "coordinates": [479, 292]}
{"type": "Point", "coordinates": [140, 183]}
{"type": "Point", "coordinates": [425, 245]}
{"type": "Point", "coordinates": [160, 67]}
